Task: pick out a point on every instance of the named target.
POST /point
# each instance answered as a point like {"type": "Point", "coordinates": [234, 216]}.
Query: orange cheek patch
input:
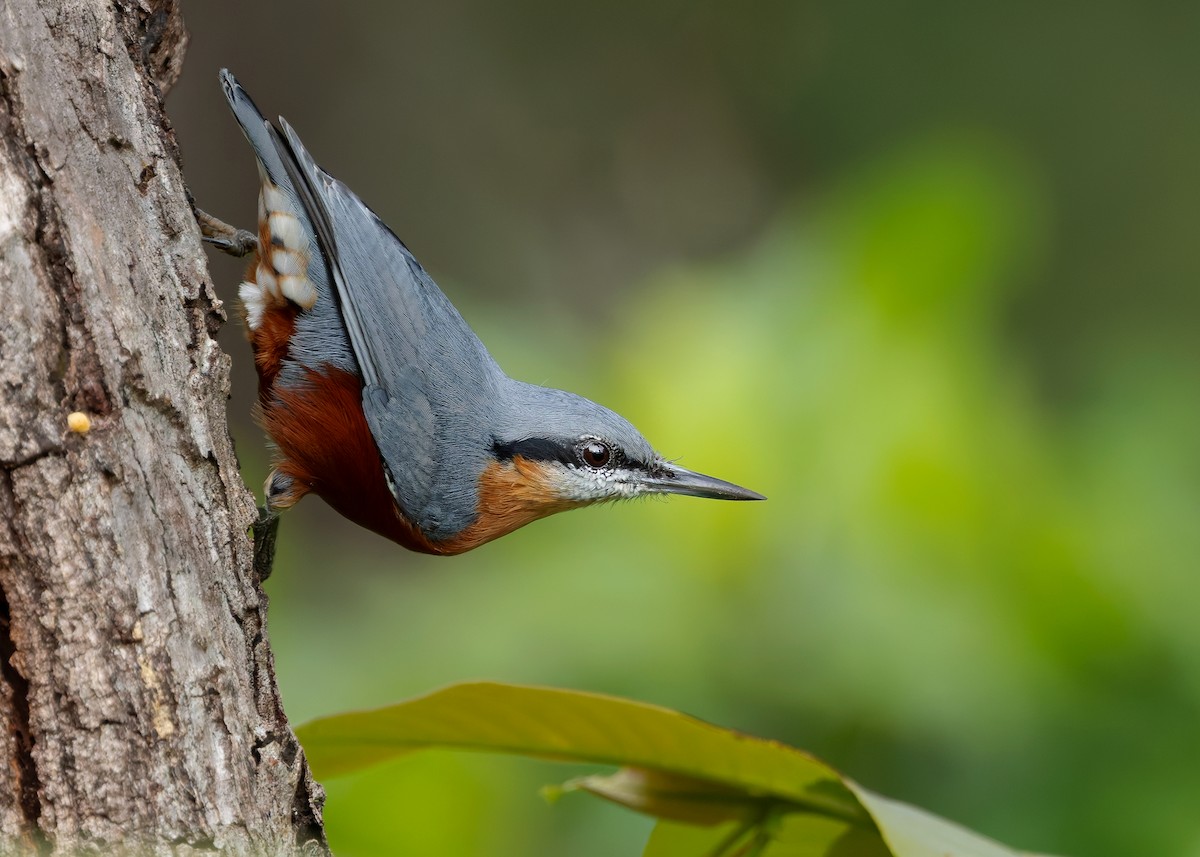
{"type": "Point", "coordinates": [511, 495]}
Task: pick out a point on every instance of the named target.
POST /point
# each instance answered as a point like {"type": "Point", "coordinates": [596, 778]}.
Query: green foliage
{"type": "Point", "coordinates": [766, 797]}
{"type": "Point", "coordinates": [573, 726]}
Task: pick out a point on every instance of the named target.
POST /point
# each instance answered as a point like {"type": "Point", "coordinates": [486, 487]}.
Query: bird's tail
{"type": "Point", "coordinates": [292, 264]}
{"type": "Point", "coordinates": [262, 136]}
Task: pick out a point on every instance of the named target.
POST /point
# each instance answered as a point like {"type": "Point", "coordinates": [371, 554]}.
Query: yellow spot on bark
{"type": "Point", "coordinates": [79, 422]}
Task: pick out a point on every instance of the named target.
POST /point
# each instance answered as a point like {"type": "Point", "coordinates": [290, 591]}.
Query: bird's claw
{"type": "Point", "coordinates": [226, 238]}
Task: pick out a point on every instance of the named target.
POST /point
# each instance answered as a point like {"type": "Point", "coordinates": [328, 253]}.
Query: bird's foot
{"type": "Point", "coordinates": [226, 238]}
{"type": "Point", "coordinates": [265, 529]}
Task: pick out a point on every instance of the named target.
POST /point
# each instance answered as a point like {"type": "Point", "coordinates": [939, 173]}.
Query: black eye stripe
{"type": "Point", "coordinates": [535, 449]}
{"type": "Point", "coordinates": [564, 452]}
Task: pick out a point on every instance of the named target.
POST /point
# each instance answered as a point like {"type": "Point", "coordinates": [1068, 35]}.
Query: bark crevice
{"type": "Point", "coordinates": [23, 762]}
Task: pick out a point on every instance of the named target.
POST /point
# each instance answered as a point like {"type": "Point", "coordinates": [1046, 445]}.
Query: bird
{"type": "Point", "coordinates": [377, 395]}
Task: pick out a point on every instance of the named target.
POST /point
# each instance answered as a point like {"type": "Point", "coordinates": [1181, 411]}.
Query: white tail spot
{"type": "Point", "coordinates": [264, 274]}
{"type": "Point", "coordinates": [298, 290]}
{"type": "Point", "coordinates": [272, 197]}
{"type": "Point", "coordinates": [285, 228]}
{"type": "Point", "coordinates": [288, 262]}
{"type": "Point", "coordinates": [282, 271]}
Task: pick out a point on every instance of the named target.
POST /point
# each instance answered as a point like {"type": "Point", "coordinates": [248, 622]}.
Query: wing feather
{"type": "Point", "coordinates": [429, 383]}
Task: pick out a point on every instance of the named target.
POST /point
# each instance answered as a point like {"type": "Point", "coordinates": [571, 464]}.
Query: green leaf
{"type": "Point", "coordinates": [739, 796]}
{"type": "Point", "coordinates": [577, 727]}
{"type": "Point", "coordinates": [676, 839]}
{"type": "Point", "coordinates": [913, 832]}
{"type": "Point", "coordinates": [807, 834]}
{"type": "Point", "coordinates": [798, 835]}
{"type": "Point", "coordinates": [903, 831]}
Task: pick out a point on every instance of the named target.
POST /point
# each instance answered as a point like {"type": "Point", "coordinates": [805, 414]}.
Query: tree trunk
{"type": "Point", "coordinates": [136, 682]}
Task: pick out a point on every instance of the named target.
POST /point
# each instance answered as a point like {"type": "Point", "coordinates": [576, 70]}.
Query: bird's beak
{"type": "Point", "coordinates": [673, 479]}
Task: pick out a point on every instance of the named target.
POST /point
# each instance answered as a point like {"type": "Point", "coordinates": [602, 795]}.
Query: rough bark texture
{"type": "Point", "coordinates": [138, 704]}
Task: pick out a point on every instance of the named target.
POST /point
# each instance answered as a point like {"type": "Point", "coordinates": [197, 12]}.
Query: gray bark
{"type": "Point", "coordinates": [138, 705]}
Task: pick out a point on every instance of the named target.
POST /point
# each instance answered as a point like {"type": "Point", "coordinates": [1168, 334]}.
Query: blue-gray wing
{"type": "Point", "coordinates": [428, 380]}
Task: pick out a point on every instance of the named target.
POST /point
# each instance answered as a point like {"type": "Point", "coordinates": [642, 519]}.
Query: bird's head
{"type": "Point", "coordinates": [548, 451]}
{"type": "Point", "coordinates": [575, 452]}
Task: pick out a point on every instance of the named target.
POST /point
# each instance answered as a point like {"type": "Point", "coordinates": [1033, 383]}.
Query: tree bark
{"type": "Point", "coordinates": [138, 705]}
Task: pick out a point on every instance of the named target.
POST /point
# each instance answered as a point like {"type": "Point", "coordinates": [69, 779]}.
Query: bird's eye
{"type": "Point", "coordinates": [595, 453]}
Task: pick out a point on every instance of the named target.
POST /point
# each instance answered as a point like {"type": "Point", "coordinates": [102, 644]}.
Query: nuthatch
{"type": "Point", "coordinates": [382, 400]}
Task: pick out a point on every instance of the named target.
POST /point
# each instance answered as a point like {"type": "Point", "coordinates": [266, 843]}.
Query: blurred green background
{"type": "Point", "coordinates": [924, 274]}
